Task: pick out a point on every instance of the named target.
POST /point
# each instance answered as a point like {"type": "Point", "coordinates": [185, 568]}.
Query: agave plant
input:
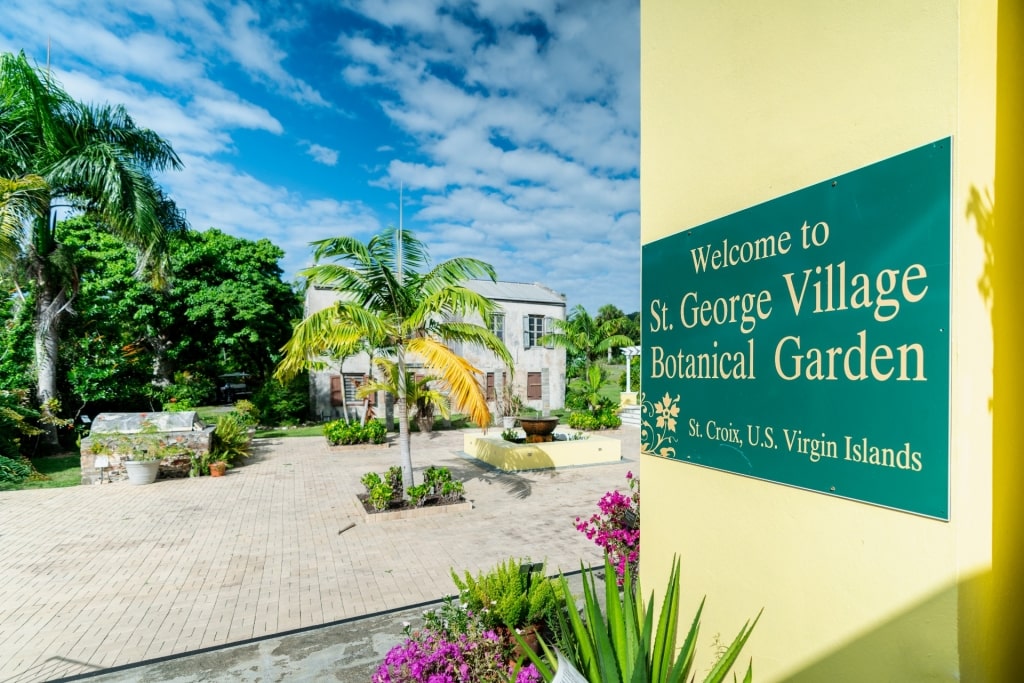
{"type": "Point", "coordinates": [623, 646]}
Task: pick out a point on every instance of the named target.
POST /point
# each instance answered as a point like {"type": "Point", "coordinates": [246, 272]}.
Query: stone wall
{"type": "Point", "coordinates": [118, 447]}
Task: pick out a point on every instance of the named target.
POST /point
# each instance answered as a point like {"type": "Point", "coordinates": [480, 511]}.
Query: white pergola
{"type": "Point", "coordinates": [629, 352]}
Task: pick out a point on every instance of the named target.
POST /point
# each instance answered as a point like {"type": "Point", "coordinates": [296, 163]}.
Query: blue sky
{"type": "Point", "coordinates": [513, 125]}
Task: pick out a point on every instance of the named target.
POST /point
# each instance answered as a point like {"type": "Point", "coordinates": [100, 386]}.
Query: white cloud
{"type": "Point", "coordinates": [516, 145]}
{"type": "Point", "coordinates": [323, 155]}
{"type": "Point", "coordinates": [257, 52]}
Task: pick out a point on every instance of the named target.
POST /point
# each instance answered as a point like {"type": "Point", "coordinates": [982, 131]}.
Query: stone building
{"type": "Point", "coordinates": [524, 315]}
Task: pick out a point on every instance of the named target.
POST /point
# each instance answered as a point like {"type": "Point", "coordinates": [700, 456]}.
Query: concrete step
{"type": "Point", "coordinates": [630, 416]}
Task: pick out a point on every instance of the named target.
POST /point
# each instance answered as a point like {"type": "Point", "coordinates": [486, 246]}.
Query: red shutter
{"type": "Point", "coordinates": [336, 395]}
{"type": "Point", "coordinates": [534, 390]}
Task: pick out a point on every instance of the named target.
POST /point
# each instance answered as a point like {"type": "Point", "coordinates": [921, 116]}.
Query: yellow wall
{"type": "Point", "coordinates": [745, 101]}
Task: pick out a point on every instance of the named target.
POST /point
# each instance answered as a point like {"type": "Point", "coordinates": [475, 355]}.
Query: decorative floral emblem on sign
{"type": "Point", "coordinates": [657, 439]}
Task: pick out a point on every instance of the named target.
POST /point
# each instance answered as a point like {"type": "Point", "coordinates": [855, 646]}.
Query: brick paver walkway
{"type": "Point", "coordinates": [96, 576]}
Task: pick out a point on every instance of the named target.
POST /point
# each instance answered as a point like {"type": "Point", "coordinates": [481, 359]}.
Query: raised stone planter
{"type": "Point", "coordinates": [515, 457]}
{"type": "Point", "coordinates": [114, 436]}
{"type": "Point", "coordinates": [411, 513]}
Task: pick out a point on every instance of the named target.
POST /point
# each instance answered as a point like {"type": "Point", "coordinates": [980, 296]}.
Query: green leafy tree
{"type": "Point", "coordinates": [584, 339]}
{"type": "Point", "coordinates": [228, 292]}
{"type": "Point", "coordinates": [224, 308]}
{"type": "Point", "coordinates": [92, 158]}
{"type": "Point", "coordinates": [396, 302]}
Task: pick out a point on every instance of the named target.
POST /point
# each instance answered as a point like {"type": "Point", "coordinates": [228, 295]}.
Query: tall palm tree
{"type": "Point", "coordinates": [402, 308]}
{"type": "Point", "coordinates": [20, 200]}
{"type": "Point", "coordinates": [584, 338]}
{"type": "Point", "coordinates": [91, 158]}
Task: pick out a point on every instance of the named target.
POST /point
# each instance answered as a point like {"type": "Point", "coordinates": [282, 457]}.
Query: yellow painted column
{"type": "Point", "coordinates": [1007, 621]}
{"type": "Point", "coordinates": [742, 103]}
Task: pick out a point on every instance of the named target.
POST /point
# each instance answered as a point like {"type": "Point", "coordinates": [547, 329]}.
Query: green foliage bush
{"type": "Point", "coordinates": [514, 594]}
{"type": "Point", "coordinates": [381, 495]}
{"type": "Point", "coordinates": [231, 441]}
{"type": "Point", "coordinates": [376, 432]}
{"type": "Point", "coordinates": [247, 412]}
{"type": "Point", "coordinates": [393, 477]}
{"type": "Point", "coordinates": [347, 433]}
{"type": "Point", "coordinates": [369, 480]}
{"type": "Point", "coordinates": [583, 420]}
{"type": "Point", "coordinates": [283, 404]}
{"type": "Point", "coordinates": [189, 389]}
{"type": "Point", "coordinates": [13, 472]}
{"type": "Point", "coordinates": [439, 482]}
{"type": "Point", "coordinates": [18, 419]}
{"type": "Point", "coordinates": [634, 376]}
{"type": "Point", "coordinates": [603, 418]}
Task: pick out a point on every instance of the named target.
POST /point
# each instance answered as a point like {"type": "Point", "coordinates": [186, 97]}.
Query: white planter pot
{"type": "Point", "coordinates": [142, 472]}
{"type": "Point", "coordinates": [508, 422]}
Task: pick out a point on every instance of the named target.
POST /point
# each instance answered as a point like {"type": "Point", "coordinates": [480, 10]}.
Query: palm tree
{"type": "Point", "coordinates": [584, 339]}
{"type": "Point", "coordinates": [91, 158]}
{"type": "Point", "coordinates": [388, 303]}
{"type": "Point", "coordinates": [418, 393]}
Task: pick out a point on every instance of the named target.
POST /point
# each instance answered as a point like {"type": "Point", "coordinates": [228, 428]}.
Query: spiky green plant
{"type": "Point", "coordinates": [622, 645]}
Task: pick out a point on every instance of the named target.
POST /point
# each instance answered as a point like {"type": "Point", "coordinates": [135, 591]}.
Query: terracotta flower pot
{"type": "Point", "coordinates": [217, 469]}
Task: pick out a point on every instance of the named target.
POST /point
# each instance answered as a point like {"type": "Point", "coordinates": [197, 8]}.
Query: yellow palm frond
{"type": "Point", "coordinates": [321, 334]}
{"type": "Point", "coordinates": [458, 374]}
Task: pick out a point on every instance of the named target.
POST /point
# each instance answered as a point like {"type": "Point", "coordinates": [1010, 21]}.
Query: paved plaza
{"type": "Point", "coordinates": [95, 577]}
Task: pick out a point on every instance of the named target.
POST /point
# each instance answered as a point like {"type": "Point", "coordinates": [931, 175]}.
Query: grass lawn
{"type": "Point", "coordinates": [278, 432]}
{"type": "Point", "coordinates": [610, 388]}
{"type": "Point", "coordinates": [61, 470]}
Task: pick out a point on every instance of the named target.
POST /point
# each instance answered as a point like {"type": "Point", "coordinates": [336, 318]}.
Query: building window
{"type": "Point", "coordinates": [351, 381]}
{"type": "Point", "coordinates": [498, 325]}
{"type": "Point", "coordinates": [534, 388]}
{"type": "Point", "coordinates": [533, 330]}
{"type": "Point", "coordinates": [490, 393]}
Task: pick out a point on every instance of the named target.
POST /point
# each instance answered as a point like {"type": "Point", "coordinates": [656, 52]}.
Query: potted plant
{"type": "Point", "coordinates": [143, 464]}
{"type": "Point", "coordinates": [510, 405]}
{"type": "Point", "coordinates": [218, 468]}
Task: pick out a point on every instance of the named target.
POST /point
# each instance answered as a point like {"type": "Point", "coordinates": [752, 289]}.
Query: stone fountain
{"type": "Point", "coordinates": [539, 429]}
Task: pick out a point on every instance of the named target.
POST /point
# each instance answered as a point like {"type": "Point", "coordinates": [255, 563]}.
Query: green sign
{"type": "Point", "coordinates": [805, 341]}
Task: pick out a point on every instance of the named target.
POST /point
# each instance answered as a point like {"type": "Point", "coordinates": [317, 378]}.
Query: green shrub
{"type": "Point", "coordinates": [347, 433]}
{"type": "Point", "coordinates": [13, 472]}
{"type": "Point", "coordinates": [440, 483]}
{"type": "Point", "coordinates": [17, 420]}
{"type": "Point", "coordinates": [380, 496]}
{"type": "Point", "coordinates": [418, 494]}
{"type": "Point", "coordinates": [609, 419]}
{"type": "Point", "coordinates": [375, 431]}
{"type": "Point", "coordinates": [393, 477]}
{"type": "Point", "coordinates": [514, 594]}
{"type": "Point", "coordinates": [343, 432]}
{"type": "Point", "coordinates": [231, 441]}
{"type": "Point", "coordinates": [510, 435]}
{"type": "Point", "coordinates": [370, 480]}
{"type": "Point", "coordinates": [281, 404]}
{"type": "Point", "coordinates": [189, 389]}
{"type": "Point", "coordinates": [634, 376]}
{"type": "Point", "coordinates": [583, 420]}
{"type": "Point", "coordinates": [247, 412]}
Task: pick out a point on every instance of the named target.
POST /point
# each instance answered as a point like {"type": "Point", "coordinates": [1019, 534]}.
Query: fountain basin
{"type": "Point", "coordinates": [538, 429]}
{"type": "Point", "coordinates": [517, 457]}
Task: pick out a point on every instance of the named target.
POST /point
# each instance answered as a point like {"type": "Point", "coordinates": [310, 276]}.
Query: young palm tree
{"type": "Point", "coordinates": [91, 158]}
{"type": "Point", "coordinates": [418, 393]}
{"type": "Point", "coordinates": [400, 308]}
{"type": "Point", "coordinates": [584, 339]}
